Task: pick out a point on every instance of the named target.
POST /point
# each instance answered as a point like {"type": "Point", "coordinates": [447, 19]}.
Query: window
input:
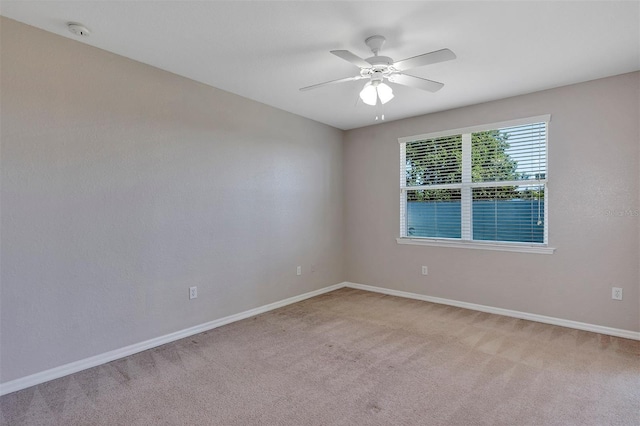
{"type": "Point", "coordinates": [480, 187]}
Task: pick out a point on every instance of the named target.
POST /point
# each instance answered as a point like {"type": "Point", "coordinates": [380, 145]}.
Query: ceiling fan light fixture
{"type": "Point", "coordinates": [377, 69]}
{"type": "Point", "coordinates": [369, 94]}
{"type": "Point", "coordinates": [385, 93]}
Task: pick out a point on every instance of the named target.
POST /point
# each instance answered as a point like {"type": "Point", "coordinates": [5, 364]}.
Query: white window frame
{"type": "Point", "coordinates": [466, 186]}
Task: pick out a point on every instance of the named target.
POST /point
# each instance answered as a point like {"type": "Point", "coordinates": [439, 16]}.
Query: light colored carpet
{"type": "Point", "coordinates": [355, 358]}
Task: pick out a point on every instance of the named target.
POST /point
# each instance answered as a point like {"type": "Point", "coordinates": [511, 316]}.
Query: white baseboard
{"type": "Point", "coordinates": [627, 334]}
{"type": "Point", "coordinates": [94, 361]}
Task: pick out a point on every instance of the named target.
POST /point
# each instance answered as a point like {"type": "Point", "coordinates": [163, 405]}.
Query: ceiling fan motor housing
{"type": "Point", "coordinates": [381, 67]}
{"type": "Point", "coordinates": [379, 62]}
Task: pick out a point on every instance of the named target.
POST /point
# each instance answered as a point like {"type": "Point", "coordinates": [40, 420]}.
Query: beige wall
{"type": "Point", "coordinates": [123, 185]}
{"type": "Point", "coordinates": [594, 148]}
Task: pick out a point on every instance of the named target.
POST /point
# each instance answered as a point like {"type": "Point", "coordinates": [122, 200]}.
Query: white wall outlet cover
{"type": "Point", "coordinates": [616, 293]}
{"type": "Point", "coordinates": [425, 270]}
{"type": "Point", "coordinates": [193, 292]}
{"type": "Point", "coordinates": [299, 270]}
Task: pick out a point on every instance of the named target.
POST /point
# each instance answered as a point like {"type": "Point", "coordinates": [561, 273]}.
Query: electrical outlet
{"type": "Point", "coordinates": [425, 270]}
{"type": "Point", "coordinates": [616, 293]}
{"type": "Point", "coordinates": [299, 270]}
{"type": "Point", "coordinates": [193, 292]}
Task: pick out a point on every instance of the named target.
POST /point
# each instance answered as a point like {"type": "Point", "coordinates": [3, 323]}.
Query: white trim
{"type": "Point", "coordinates": [466, 195]}
{"type": "Point", "coordinates": [618, 332]}
{"type": "Point", "coordinates": [83, 364]}
{"type": "Point", "coordinates": [94, 361]}
{"type": "Point", "coordinates": [492, 184]}
{"type": "Point", "coordinates": [495, 246]}
{"type": "Point", "coordinates": [466, 186]}
{"type": "Point", "coordinates": [403, 194]}
{"type": "Point", "coordinates": [546, 188]}
{"type": "Point", "coordinates": [478, 128]}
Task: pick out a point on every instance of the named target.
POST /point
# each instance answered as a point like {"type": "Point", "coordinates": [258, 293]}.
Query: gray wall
{"type": "Point", "coordinates": [123, 185]}
{"type": "Point", "coordinates": [594, 147]}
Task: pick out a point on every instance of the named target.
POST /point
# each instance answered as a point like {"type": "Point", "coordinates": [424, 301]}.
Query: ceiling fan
{"type": "Point", "coordinates": [377, 69]}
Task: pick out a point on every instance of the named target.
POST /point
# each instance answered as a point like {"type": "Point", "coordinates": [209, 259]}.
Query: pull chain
{"type": "Point", "coordinates": [379, 110]}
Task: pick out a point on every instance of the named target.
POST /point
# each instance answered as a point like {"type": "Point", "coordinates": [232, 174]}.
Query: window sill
{"type": "Point", "coordinates": [513, 247]}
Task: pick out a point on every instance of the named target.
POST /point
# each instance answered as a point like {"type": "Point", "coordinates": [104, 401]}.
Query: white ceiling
{"type": "Point", "coordinates": [267, 50]}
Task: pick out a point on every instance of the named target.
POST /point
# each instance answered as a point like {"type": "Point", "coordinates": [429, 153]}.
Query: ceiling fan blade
{"type": "Point", "coordinates": [351, 57]}
{"type": "Point", "coordinates": [342, 80]}
{"type": "Point", "coordinates": [425, 59]}
{"type": "Point", "coordinates": [417, 82]}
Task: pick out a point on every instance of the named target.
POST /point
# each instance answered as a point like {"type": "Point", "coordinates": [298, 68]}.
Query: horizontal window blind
{"type": "Point", "coordinates": [514, 213]}
{"type": "Point", "coordinates": [514, 153]}
{"type": "Point", "coordinates": [434, 162]}
{"type": "Point", "coordinates": [434, 213]}
{"type": "Point", "coordinates": [485, 185]}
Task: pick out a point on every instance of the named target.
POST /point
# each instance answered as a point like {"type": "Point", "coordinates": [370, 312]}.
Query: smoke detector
{"type": "Point", "coordinates": [78, 29]}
